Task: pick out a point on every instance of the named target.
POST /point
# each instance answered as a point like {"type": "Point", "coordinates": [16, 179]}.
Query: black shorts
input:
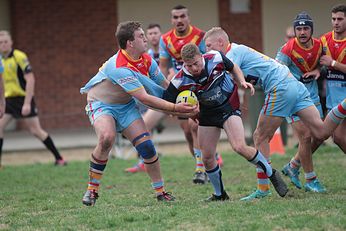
{"type": "Point", "coordinates": [14, 107]}
{"type": "Point", "coordinates": [216, 116]}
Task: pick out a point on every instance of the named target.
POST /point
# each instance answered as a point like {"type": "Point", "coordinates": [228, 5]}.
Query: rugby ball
{"type": "Point", "coordinates": [187, 96]}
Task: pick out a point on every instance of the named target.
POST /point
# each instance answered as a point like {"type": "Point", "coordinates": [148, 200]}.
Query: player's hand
{"type": "Point", "coordinates": [247, 85]}
{"type": "Point", "coordinates": [315, 74]}
{"type": "Point", "coordinates": [326, 60]}
{"type": "Point", "coordinates": [187, 109]}
{"type": "Point", "coordinates": [26, 109]}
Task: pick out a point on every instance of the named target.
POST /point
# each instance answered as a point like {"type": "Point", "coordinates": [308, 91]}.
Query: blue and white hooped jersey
{"type": "Point", "coordinates": [258, 68]}
{"type": "Point", "coordinates": [130, 74]}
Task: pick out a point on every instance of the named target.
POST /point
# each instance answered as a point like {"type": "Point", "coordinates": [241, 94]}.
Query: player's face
{"type": "Point", "coordinates": [140, 43]}
{"type": "Point", "coordinates": [339, 22]}
{"type": "Point", "coordinates": [195, 65]}
{"type": "Point", "coordinates": [180, 20]}
{"type": "Point", "coordinates": [303, 34]}
{"type": "Point", "coordinates": [213, 43]}
{"type": "Point", "coordinates": [153, 35]}
{"type": "Point", "coordinates": [5, 44]}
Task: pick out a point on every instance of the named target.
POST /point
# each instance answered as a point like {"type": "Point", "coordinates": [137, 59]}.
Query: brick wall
{"type": "Point", "coordinates": [66, 42]}
{"type": "Point", "coordinates": [245, 28]}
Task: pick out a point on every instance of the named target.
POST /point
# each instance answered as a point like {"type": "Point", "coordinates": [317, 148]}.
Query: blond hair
{"type": "Point", "coordinates": [189, 51]}
{"type": "Point", "coordinates": [216, 31]}
{"type": "Point", "coordinates": [5, 33]}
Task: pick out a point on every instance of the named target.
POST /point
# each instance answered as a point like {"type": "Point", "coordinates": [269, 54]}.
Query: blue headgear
{"type": "Point", "coordinates": [303, 19]}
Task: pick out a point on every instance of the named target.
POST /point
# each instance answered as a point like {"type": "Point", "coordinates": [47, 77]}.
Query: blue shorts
{"type": "Point", "coordinates": [287, 98]}
{"type": "Point", "coordinates": [123, 114]}
{"type": "Point", "coordinates": [295, 118]}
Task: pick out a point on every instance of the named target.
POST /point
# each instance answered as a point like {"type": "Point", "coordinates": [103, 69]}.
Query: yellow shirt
{"type": "Point", "coordinates": [15, 66]}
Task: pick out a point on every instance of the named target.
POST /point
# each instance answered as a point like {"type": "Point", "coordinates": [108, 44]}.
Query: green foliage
{"type": "Point", "coordinates": [43, 197]}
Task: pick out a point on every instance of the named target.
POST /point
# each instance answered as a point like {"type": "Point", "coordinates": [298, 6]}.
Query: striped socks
{"type": "Point", "coordinates": [158, 187]}
{"type": "Point", "coordinates": [263, 183]}
{"type": "Point", "coordinates": [295, 164]}
{"type": "Point", "coordinates": [338, 113]}
{"type": "Point", "coordinates": [95, 172]}
{"type": "Point", "coordinates": [199, 162]}
{"type": "Point", "coordinates": [310, 176]}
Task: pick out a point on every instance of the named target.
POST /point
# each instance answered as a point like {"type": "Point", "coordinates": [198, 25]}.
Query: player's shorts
{"type": "Point", "coordinates": [286, 98]}
{"type": "Point", "coordinates": [216, 117]}
{"type": "Point", "coordinates": [14, 107]}
{"type": "Point", "coordinates": [295, 118]}
{"type": "Point", "coordinates": [123, 114]}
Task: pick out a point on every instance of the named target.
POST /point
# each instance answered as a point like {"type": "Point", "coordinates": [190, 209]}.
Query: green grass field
{"type": "Point", "coordinates": [42, 197]}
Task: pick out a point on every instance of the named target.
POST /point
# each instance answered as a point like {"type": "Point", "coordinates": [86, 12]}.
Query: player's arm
{"type": "Point", "coordinates": [156, 74]}
{"type": "Point", "coordinates": [330, 62]}
{"type": "Point", "coordinates": [29, 92]}
{"type": "Point", "coordinates": [24, 65]}
{"type": "Point", "coordinates": [163, 105]}
{"type": "Point", "coordinates": [2, 97]}
{"type": "Point", "coordinates": [165, 58]}
{"type": "Point", "coordinates": [164, 66]}
{"type": "Point", "coordinates": [238, 75]}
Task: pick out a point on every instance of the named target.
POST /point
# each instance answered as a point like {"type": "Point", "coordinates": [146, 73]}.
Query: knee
{"type": "Point", "coordinates": [106, 140]}
{"type": "Point", "coordinates": [146, 149]}
{"type": "Point", "coordinates": [208, 161]}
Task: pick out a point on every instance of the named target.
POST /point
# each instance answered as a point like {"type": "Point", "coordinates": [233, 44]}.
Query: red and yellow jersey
{"type": "Point", "coordinates": [334, 48]}
{"type": "Point", "coordinates": [171, 45]}
{"type": "Point", "coordinates": [306, 59]}
{"type": "Point", "coordinates": [336, 80]}
{"type": "Point", "coordinates": [16, 65]}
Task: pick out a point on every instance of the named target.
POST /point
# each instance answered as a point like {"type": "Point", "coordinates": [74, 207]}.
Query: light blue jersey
{"type": "Point", "coordinates": [131, 75]}
{"type": "Point", "coordinates": [284, 95]}
{"type": "Point", "coordinates": [125, 74]}
{"type": "Point", "coordinates": [258, 68]}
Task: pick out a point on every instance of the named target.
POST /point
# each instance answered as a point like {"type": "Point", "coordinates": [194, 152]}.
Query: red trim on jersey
{"type": "Point", "coordinates": [141, 65]}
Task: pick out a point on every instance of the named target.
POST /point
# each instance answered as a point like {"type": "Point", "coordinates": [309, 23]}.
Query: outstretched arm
{"type": "Point", "coordinates": [239, 78]}
{"type": "Point", "coordinates": [181, 109]}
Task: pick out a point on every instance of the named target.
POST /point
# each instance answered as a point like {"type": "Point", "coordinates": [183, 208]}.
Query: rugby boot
{"type": "Point", "coordinates": [165, 196]}
{"type": "Point", "coordinates": [257, 194]}
{"type": "Point", "coordinates": [60, 162]}
{"type": "Point", "coordinates": [279, 185]}
{"type": "Point", "coordinates": [139, 167]}
{"type": "Point", "coordinates": [314, 186]}
{"type": "Point", "coordinates": [200, 178]}
{"type": "Point", "coordinates": [223, 197]}
{"type": "Point", "coordinates": [90, 197]}
{"type": "Point", "coordinates": [293, 174]}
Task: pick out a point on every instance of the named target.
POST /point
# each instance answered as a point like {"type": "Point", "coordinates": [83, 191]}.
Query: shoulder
{"type": "Point", "coordinates": [19, 54]}
{"type": "Point", "coordinates": [167, 34]}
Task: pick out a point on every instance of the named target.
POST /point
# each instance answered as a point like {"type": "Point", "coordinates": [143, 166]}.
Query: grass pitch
{"type": "Point", "coordinates": [43, 197]}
